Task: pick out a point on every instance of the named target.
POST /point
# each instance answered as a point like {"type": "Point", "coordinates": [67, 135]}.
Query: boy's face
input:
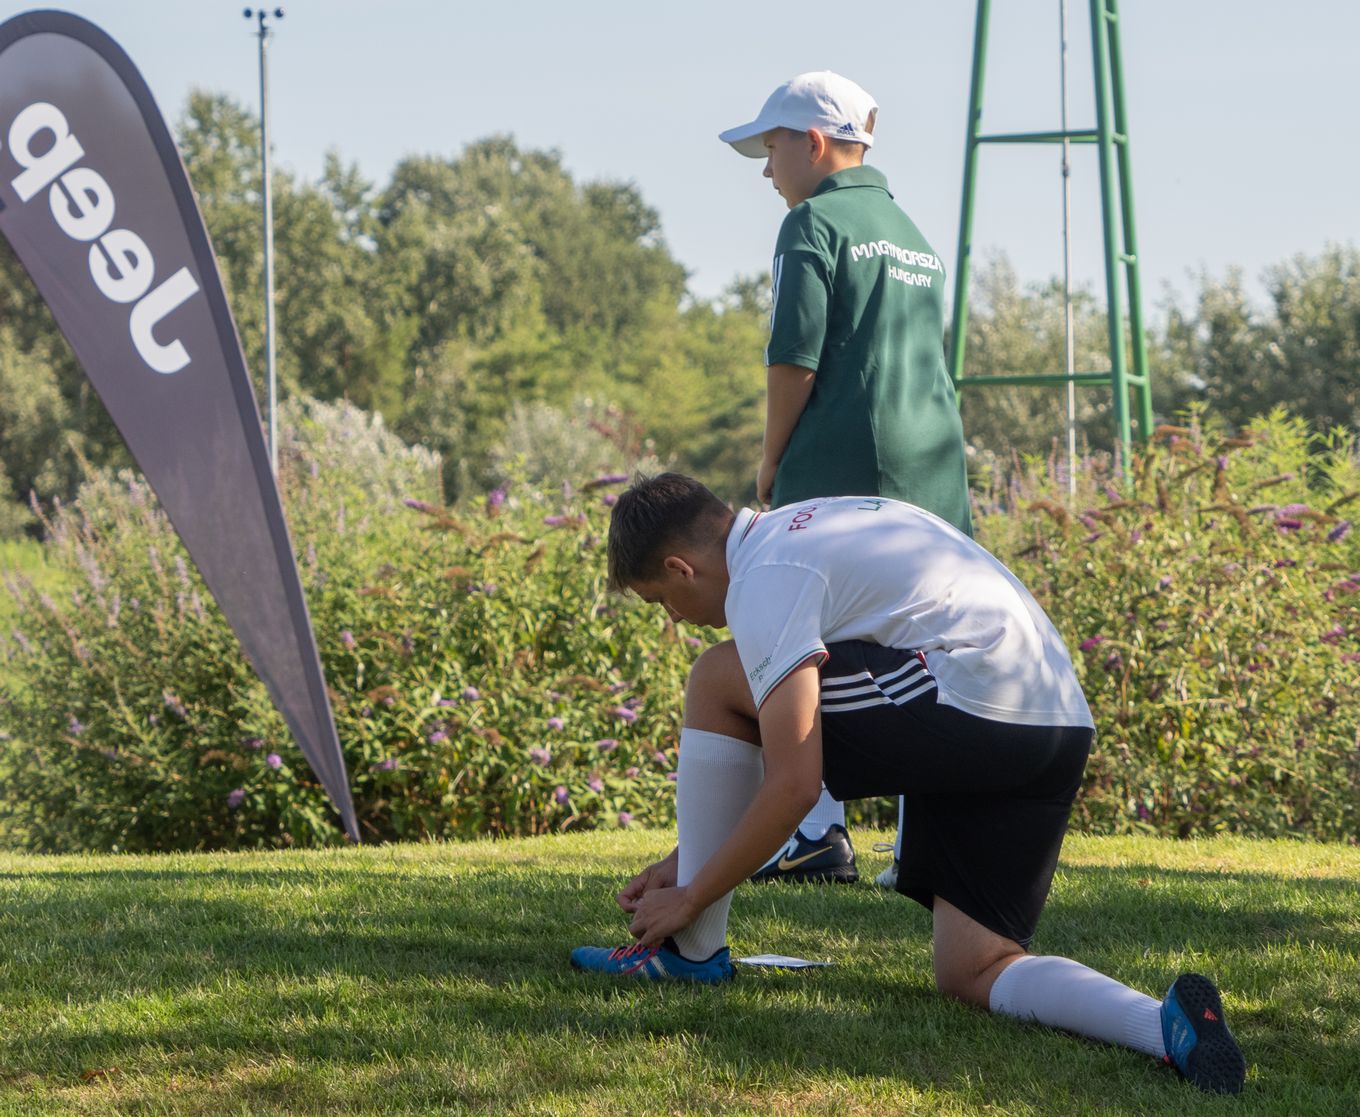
{"type": "Point", "coordinates": [790, 164]}
{"type": "Point", "coordinates": [685, 594]}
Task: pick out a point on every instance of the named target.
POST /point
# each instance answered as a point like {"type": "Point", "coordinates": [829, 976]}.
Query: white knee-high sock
{"type": "Point", "coordinates": [901, 818]}
{"type": "Point", "coordinates": [1065, 994]}
{"type": "Point", "coordinates": [826, 813]}
{"type": "Point", "coordinates": [718, 778]}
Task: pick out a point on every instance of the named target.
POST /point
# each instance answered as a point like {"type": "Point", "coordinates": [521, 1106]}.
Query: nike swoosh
{"type": "Point", "coordinates": [785, 864]}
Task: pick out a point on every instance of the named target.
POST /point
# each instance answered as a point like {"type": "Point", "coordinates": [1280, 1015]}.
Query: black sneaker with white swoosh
{"type": "Point", "coordinates": [830, 858]}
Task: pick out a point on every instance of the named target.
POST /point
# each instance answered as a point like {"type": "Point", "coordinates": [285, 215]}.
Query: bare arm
{"type": "Point", "coordinates": [791, 736]}
{"type": "Point", "coordinates": [786, 394]}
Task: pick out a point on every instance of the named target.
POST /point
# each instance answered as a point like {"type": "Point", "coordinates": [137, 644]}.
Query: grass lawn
{"type": "Point", "coordinates": [433, 979]}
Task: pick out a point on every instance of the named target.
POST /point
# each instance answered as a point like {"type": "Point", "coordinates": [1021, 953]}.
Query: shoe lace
{"type": "Point", "coordinates": [884, 847]}
{"type": "Point", "coordinates": [643, 954]}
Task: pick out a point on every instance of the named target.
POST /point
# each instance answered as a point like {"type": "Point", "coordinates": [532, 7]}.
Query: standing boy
{"type": "Point", "coordinates": [882, 651]}
{"type": "Point", "coordinates": [858, 399]}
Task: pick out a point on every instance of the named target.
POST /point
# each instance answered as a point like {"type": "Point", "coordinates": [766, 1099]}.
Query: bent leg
{"type": "Point", "coordinates": [982, 968]}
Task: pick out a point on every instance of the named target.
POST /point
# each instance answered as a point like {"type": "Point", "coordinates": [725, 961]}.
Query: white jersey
{"type": "Point", "coordinates": [879, 570]}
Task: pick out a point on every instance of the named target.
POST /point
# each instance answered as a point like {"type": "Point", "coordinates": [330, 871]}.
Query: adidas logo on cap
{"type": "Point", "coordinates": [846, 129]}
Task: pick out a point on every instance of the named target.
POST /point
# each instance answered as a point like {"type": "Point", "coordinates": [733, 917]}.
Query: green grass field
{"type": "Point", "coordinates": [433, 979]}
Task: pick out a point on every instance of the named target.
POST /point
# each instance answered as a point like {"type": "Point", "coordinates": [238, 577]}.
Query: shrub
{"type": "Point", "coordinates": [481, 679]}
{"type": "Point", "coordinates": [1211, 605]}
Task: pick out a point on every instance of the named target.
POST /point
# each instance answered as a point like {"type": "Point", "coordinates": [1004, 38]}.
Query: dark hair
{"type": "Point", "coordinates": [658, 513]}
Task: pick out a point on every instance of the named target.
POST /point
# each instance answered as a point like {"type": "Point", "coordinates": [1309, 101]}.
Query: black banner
{"type": "Point", "coordinates": [97, 205]}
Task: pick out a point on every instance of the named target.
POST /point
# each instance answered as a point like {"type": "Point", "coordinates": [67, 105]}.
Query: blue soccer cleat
{"type": "Point", "coordinates": [656, 963]}
{"type": "Point", "coordinates": [1198, 1043]}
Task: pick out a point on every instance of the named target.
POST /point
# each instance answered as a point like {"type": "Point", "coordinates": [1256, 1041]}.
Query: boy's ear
{"type": "Point", "coordinates": [674, 564]}
{"type": "Point", "coordinates": [819, 145]}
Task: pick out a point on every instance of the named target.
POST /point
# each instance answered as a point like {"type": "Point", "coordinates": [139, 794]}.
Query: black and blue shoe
{"type": "Point", "coordinates": [655, 963]}
{"type": "Point", "coordinates": [1198, 1043]}
{"type": "Point", "coordinates": [830, 858]}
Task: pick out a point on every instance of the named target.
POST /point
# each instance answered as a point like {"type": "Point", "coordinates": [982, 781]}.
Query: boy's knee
{"type": "Point", "coordinates": [716, 696]}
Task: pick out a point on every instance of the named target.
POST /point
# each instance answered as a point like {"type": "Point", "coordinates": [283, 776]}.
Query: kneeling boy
{"type": "Point", "coordinates": [881, 650]}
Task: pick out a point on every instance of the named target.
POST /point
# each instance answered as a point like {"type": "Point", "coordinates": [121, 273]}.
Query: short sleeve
{"type": "Point", "coordinates": [801, 293]}
{"type": "Point", "coordinates": [775, 616]}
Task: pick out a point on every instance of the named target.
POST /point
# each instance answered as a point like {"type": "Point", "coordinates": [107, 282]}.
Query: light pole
{"type": "Point", "coordinates": [267, 194]}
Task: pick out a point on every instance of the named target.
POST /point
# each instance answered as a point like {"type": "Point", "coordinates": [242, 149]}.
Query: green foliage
{"type": "Point", "coordinates": [482, 680]}
{"type": "Point", "coordinates": [1212, 605]}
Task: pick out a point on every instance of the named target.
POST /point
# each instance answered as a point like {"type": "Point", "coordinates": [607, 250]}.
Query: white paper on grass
{"type": "Point", "coordinates": [782, 961]}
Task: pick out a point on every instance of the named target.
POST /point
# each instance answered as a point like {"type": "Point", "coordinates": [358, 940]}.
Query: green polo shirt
{"type": "Point", "coordinates": [859, 299]}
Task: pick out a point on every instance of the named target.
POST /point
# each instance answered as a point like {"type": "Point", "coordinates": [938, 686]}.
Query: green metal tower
{"type": "Point", "coordinates": [1116, 192]}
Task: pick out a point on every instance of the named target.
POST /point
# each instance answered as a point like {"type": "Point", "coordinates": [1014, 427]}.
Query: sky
{"type": "Point", "coordinates": [1244, 139]}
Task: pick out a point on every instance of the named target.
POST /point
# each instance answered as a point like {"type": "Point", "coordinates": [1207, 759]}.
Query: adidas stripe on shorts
{"type": "Point", "coordinates": [986, 802]}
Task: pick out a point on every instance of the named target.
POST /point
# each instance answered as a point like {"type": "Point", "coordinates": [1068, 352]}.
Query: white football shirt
{"type": "Point", "coordinates": [869, 568]}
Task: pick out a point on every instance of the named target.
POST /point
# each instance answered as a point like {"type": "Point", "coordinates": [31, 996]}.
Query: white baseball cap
{"type": "Point", "coordinates": [817, 102]}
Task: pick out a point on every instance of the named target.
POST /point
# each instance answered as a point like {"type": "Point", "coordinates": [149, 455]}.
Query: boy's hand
{"type": "Point", "coordinates": [661, 913]}
{"type": "Point", "coordinates": [661, 874]}
{"type": "Point", "coordinates": [765, 481]}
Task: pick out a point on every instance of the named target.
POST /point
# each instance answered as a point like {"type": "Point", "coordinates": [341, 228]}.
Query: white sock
{"type": "Point", "coordinates": [718, 778]}
{"type": "Point", "coordinates": [901, 818]}
{"type": "Point", "coordinates": [826, 813]}
{"type": "Point", "coordinates": [1065, 994]}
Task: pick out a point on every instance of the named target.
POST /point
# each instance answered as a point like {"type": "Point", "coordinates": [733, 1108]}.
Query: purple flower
{"type": "Point", "coordinates": [625, 818]}
{"type": "Point", "coordinates": [274, 760]}
{"type": "Point", "coordinates": [1293, 509]}
{"type": "Point", "coordinates": [1113, 662]}
{"type": "Point", "coordinates": [1339, 532]}
{"type": "Point", "coordinates": [389, 700]}
{"type": "Point", "coordinates": [366, 712]}
{"type": "Point", "coordinates": [611, 479]}
{"type": "Point", "coordinates": [437, 736]}
{"type": "Point", "coordinates": [607, 745]}
{"type": "Point", "coordinates": [660, 757]}
{"type": "Point", "coordinates": [561, 795]}
{"type": "Point", "coordinates": [1142, 811]}
{"type": "Point", "coordinates": [471, 693]}
{"type": "Point", "coordinates": [173, 704]}
{"type": "Point", "coordinates": [1090, 642]}
{"type": "Point", "coordinates": [74, 727]}
{"type": "Point", "coordinates": [595, 784]}
{"type": "Point", "coordinates": [235, 797]}
{"type": "Point", "coordinates": [632, 773]}
{"type": "Point", "coordinates": [609, 500]}
{"type": "Point", "coordinates": [541, 757]}
{"type": "Point", "coordinates": [252, 743]}
{"type": "Point", "coordinates": [694, 641]}
{"type": "Point", "coordinates": [623, 713]}
{"type": "Point", "coordinates": [420, 506]}
{"type": "Point", "coordinates": [1164, 581]}
{"type": "Point", "coordinates": [554, 521]}
{"type": "Point", "coordinates": [556, 724]}
{"type": "Point", "coordinates": [347, 638]}
{"type": "Point", "coordinates": [495, 498]}
{"type": "Point", "coordinates": [1286, 524]}
{"type": "Point", "coordinates": [387, 765]}
{"type": "Point", "coordinates": [1333, 635]}
{"type": "Point", "coordinates": [672, 775]}
{"type": "Point", "coordinates": [447, 702]}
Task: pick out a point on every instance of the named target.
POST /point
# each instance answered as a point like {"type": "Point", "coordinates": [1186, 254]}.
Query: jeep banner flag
{"type": "Point", "coordinates": [97, 206]}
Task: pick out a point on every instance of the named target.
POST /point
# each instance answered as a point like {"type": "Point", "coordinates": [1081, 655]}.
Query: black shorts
{"type": "Point", "coordinates": [986, 802]}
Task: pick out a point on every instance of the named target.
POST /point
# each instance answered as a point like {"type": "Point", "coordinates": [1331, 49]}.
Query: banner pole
{"type": "Point", "coordinates": [267, 196]}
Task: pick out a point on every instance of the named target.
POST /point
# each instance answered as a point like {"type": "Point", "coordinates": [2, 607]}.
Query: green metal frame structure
{"type": "Point", "coordinates": [1116, 191]}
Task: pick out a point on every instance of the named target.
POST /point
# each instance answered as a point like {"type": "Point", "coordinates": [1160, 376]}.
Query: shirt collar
{"type": "Point", "coordinates": [741, 527]}
{"type": "Point", "coordinates": [853, 176]}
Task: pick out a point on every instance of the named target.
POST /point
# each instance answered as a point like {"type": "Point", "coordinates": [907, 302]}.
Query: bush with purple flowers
{"type": "Point", "coordinates": [475, 661]}
{"type": "Point", "coordinates": [1211, 604]}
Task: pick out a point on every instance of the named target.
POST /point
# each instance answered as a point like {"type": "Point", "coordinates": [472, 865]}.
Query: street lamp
{"type": "Point", "coordinates": [267, 192]}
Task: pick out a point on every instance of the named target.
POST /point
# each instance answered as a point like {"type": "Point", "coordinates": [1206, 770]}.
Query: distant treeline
{"type": "Point", "coordinates": [476, 301]}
